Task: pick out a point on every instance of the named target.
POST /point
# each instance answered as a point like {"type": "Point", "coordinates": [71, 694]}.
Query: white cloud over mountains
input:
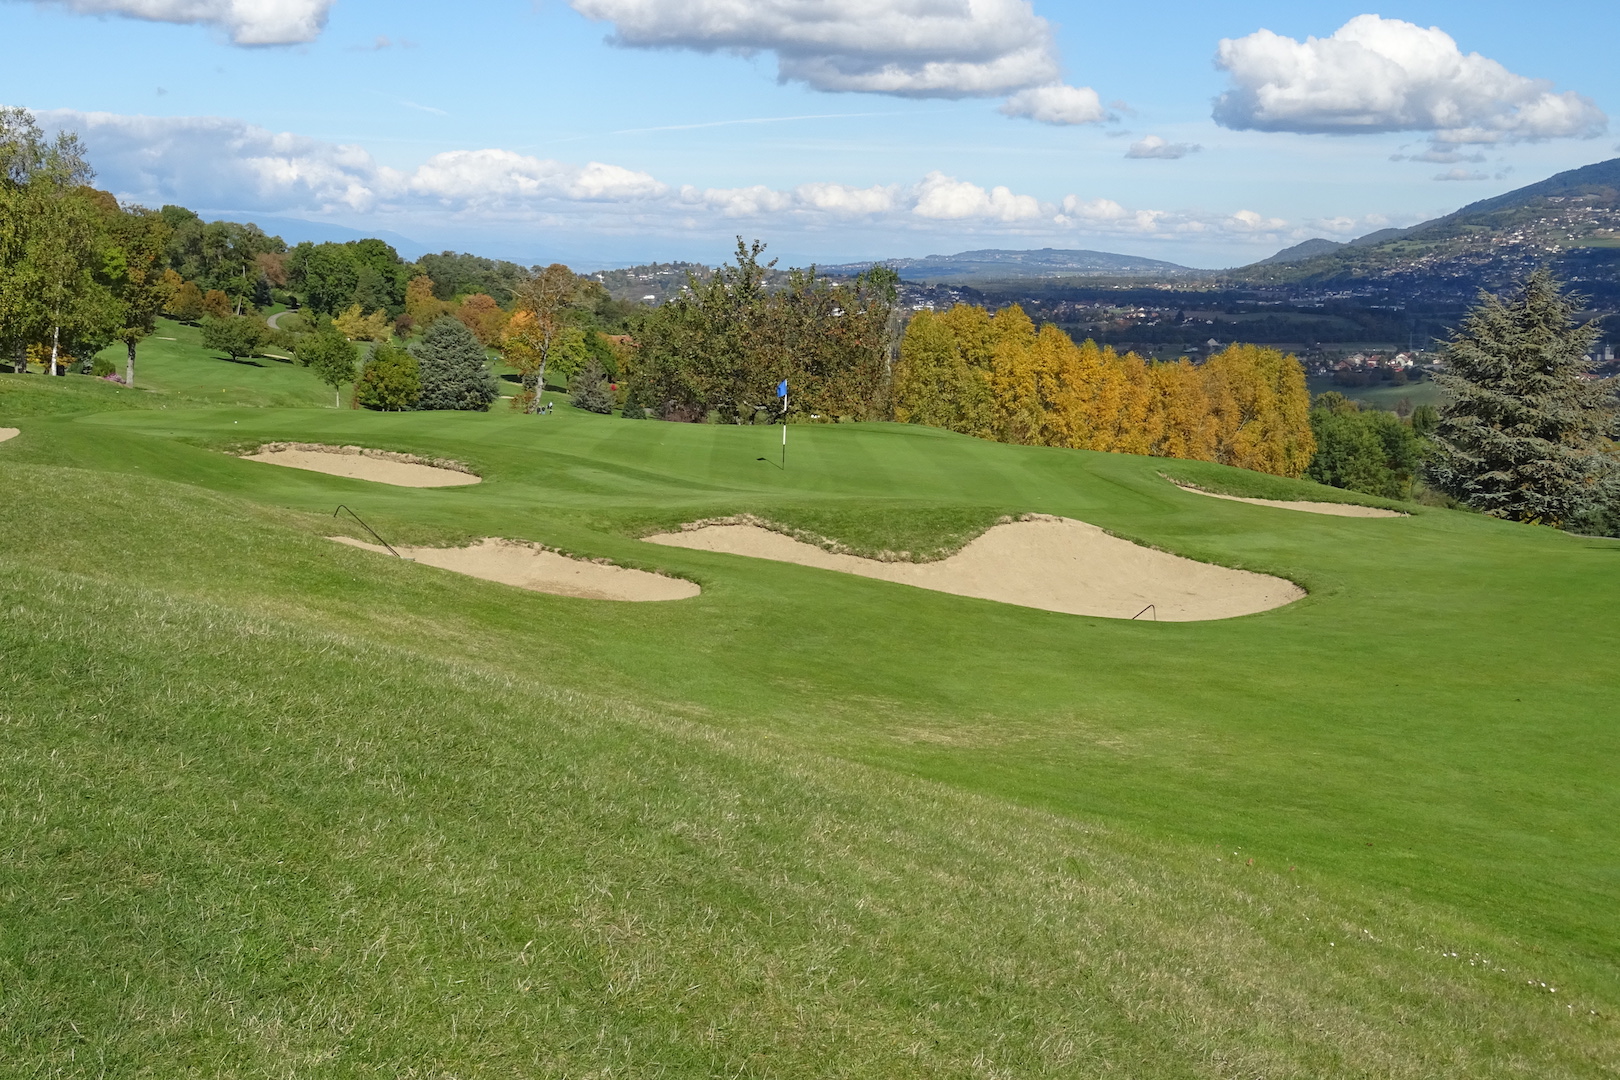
{"type": "Point", "coordinates": [1383, 75]}
{"type": "Point", "coordinates": [248, 22]}
{"type": "Point", "coordinates": [909, 48]}
{"type": "Point", "coordinates": [217, 163]}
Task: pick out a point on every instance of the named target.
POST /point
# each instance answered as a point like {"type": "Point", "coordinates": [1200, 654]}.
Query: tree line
{"type": "Point", "coordinates": [1000, 377]}
{"type": "Point", "coordinates": [1525, 432]}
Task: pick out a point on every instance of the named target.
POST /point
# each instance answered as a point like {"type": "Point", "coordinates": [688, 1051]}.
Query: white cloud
{"type": "Point", "coordinates": [1058, 104]}
{"type": "Point", "coordinates": [484, 177]}
{"type": "Point", "coordinates": [911, 48]}
{"type": "Point", "coordinates": [222, 164]}
{"type": "Point", "coordinates": [1461, 174]}
{"type": "Point", "coordinates": [248, 22]}
{"type": "Point", "coordinates": [1249, 221]}
{"type": "Point", "coordinates": [1152, 146]}
{"type": "Point", "coordinates": [944, 198]}
{"type": "Point", "coordinates": [1379, 75]}
{"type": "Point", "coordinates": [1440, 155]}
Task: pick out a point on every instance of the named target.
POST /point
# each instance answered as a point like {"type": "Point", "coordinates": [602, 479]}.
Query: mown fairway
{"type": "Point", "coordinates": [272, 806]}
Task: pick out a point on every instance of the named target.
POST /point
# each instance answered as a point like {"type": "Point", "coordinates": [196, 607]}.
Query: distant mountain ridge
{"type": "Point", "coordinates": [1570, 221]}
{"type": "Point", "coordinates": [1005, 265]}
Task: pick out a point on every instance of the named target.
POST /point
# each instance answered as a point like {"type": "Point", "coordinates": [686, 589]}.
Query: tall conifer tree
{"type": "Point", "coordinates": [1524, 432]}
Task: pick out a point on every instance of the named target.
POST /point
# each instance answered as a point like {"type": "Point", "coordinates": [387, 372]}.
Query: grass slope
{"type": "Point", "coordinates": [294, 808]}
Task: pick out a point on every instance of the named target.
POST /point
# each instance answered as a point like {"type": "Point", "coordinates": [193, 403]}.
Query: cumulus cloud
{"type": "Point", "coordinates": [248, 22]}
{"type": "Point", "coordinates": [1461, 174]}
{"type": "Point", "coordinates": [943, 198]}
{"type": "Point", "coordinates": [217, 163]}
{"type": "Point", "coordinates": [1057, 105]}
{"type": "Point", "coordinates": [1380, 75]}
{"type": "Point", "coordinates": [492, 177]}
{"type": "Point", "coordinates": [1152, 146]}
{"type": "Point", "coordinates": [911, 48]}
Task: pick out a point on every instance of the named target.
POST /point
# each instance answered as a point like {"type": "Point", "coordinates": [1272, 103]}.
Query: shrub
{"type": "Point", "coordinates": [454, 370]}
{"type": "Point", "coordinates": [590, 389]}
{"type": "Point", "coordinates": [235, 335]}
{"type": "Point", "coordinates": [391, 381]}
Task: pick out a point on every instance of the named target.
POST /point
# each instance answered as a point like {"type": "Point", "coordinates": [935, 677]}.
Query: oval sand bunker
{"type": "Point", "coordinates": [357, 463]}
{"type": "Point", "coordinates": [1052, 563]}
{"type": "Point", "coordinates": [1330, 509]}
{"type": "Point", "coordinates": [8, 433]}
{"type": "Point", "coordinates": [530, 567]}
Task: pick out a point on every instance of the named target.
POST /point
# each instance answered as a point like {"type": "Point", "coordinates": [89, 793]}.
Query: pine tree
{"type": "Point", "coordinates": [589, 389]}
{"type": "Point", "coordinates": [454, 370]}
{"type": "Point", "coordinates": [1522, 434]}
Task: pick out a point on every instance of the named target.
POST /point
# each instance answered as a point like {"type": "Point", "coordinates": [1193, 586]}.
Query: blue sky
{"type": "Point", "coordinates": [836, 130]}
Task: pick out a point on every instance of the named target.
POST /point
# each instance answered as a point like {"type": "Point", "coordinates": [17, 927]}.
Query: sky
{"type": "Point", "coordinates": [612, 132]}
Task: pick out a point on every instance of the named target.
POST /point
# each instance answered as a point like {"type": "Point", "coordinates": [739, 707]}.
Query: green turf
{"type": "Point", "coordinates": [277, 806]}
{"type": "Point", "coordinates": [1382, 395]}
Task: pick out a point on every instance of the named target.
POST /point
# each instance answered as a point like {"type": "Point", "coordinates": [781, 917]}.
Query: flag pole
{"type": "Point", "coordinates": [782, 392]}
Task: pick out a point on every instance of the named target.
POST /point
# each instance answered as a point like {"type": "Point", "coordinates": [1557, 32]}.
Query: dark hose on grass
{"type": "Point", "coordinates": [342, 507]}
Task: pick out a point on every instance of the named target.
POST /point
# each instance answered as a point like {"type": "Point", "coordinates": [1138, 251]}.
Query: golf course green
{"type": "Point", "coordinates": [271, 805]}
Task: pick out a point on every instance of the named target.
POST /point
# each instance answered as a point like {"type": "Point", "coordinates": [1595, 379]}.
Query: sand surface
{"type": "Point", "coordinates": [358, 464]}
{"type": "Point", "coordinates": [1052, 563]}
{"type": "Point", "coordinates": [1331, 509]}
{"type": "Point", "coordinates": [530, 567]}
{"type": "Point", "coordinates": [8, 433]}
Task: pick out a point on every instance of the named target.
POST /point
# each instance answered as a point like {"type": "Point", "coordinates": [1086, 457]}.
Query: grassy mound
{"type": "Point", "coordinates": [272, 805]}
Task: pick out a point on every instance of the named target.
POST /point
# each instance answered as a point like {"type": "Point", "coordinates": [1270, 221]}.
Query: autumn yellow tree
{"type": "Point", "coordinates": [484, 317]}
{"type": "Point", "coordinates": [540, 328]}
{"type": "Point", "coordinates": [421, 306]}
{"type": "Point", "coordinates": [1247, 406]}
{"type": "Point", "coordinates": [934, 383]}
{"type": "Point", "coordinates": [356, 326]}
{"type": "Point", "coordinates": [1261, 408]}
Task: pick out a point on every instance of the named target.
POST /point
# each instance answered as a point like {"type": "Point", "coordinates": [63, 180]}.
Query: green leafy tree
{"type": "Point", "coordinates": [1425, 418]}
{"type": "Point", "coordinates": [454, 368]}
{"type": "Point", "coordinates": [390, 381]}
{"type": "Point", "coordinates": [544, 330]}
{"type": "Point", "coordinates": [1523, 433]}
{"type": "Point", "coordinates": [237, 336]}
{"type": "Point", "coordinates": [187, 303]}
{"type": "Point", "coordinates": [140, 238]}
{"type": "Point", "coordinates": [725, 343]}
{"type": "Point", "coordinates": [589, 389]}
{"type": "Point", "coordinates": [331, 356]}
{"type": "Point", "coordinates": [1371, 451]}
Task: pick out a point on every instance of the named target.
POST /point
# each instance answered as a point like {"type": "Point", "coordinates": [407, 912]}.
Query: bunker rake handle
{"type": "Point", "coordinates": [1138, 615]}
{"type": "Point", "coordinates": [342, 507]}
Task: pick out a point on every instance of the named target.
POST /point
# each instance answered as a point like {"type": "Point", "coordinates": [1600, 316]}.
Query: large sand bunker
{"type": "Point", "coordinates": [531, 567]}
{"type": "Point", "coordinates": [8, 433]}
{"type": "Point", "coordinates": [1331, 509]}
{"type": "Point", "coordinates": [360, 463]}
{"type": "Point", "coordinates": [1052, 563]}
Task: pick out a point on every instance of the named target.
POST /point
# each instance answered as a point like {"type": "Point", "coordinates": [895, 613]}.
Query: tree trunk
{"type": "Point", "coordinates": [56, 336]}
{"type": "Point", "coordinates": [337, 398]}
{"type": "Point", "coordinates": [539, 388]}
{"type": "Point", "coordinates": [129, 367]}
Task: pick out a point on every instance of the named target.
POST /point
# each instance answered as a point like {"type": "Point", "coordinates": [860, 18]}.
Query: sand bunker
{"type": "Point", "coordinates": [8, 433]}
{"type": "Point", "coordinates": [531, 567]}
{"type": "Point", "coordinates": [1052, 563]}
{"type": "Point", "coordinates": [359, 463]}
{"type": "Point", "coordinates": [1331, 509]}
